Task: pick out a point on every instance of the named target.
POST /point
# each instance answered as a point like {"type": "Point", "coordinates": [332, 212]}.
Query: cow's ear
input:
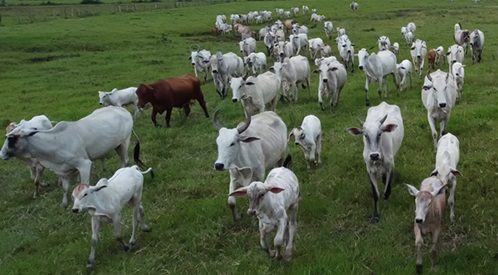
{"type": "Point", "coordinates": [389, 127]}
{"type": "Point", "coordinates": [271, 69]}
{"type": "Point", "coordinates": [248, 139]}
{"type": "Point", "coordinates": [315, 71]}
{"type": "Point", "coordinates": [190, 58]}
{"type": "Point", "coordinates": [455, 172]}
{"type": "Point", "coordinates": [434, 173]}
{"type": "Point", "coordinates": [249, 83]}
{"type": "Point", "coordinates": [355, 131]}
{"type": "Point", "coordinates": [274, 189]}
{"type": "Point", "coordinates": [412, 190]}
{"type": "Point", "coordinates": [239, 192]}
{"type": "Point", "coordinates": [101, 184]}
{"type": "Point", "coordinates": [439, 190]}
{"type": "Point", "coordinates": [333, 69]}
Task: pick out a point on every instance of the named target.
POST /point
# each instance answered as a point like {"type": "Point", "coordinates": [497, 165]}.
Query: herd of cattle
{"type": "Point", "coordinates": [261, 141]}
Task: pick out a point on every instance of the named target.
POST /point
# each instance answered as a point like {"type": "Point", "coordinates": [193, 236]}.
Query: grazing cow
{"type": "Point", "coordinates": [353, 6]}
{"type": "Point", "coordinates": [439, 54]}
{"type": "Point", "coordinates": [476, 44]}
{"type": "Point", "coordinates": [201, 61]}
{"type": "Point", "coordinates": [295, 11]}
{"type": "Point", "coordinates": [439, 96]}
{"type": "Point", "coordinates": [326, 51]}
{"type": "Point", "coordinates": [72, 146]}
{"type": "Point", "coordinates": [120, 98]}
{"type": "Point", "coordinates": [247, 46]}
{"type": "Point", "coordinates": [243, 31]}
{"type": "Point", "coordinates": [458, 72]}
{"type": "Point", "coordinates": [447, 157]}
{"type": "Point", "coordinates": [275, 203]}
{"type": "Point", "coordinates": [411, 27]}
{"type": "Point", "coordinates": [309, 137]}
{"type": "Point", "coordinates": [40, 122]}
{"type": "Point", "coordinates": [384, 43]}
{"type": "Point", "coordinates": [316, 17]}
{"type": "Point", "coordinates": [167, 93]}
{"type": "Point", "coordinates": [430, 202]}
{"type": "Point", "coordinates": [328, 27]}
{"type": "Point", "coordinates": [291, 72]}
{"type": "Point", "coordinates": [225, 66]}
{"type": "Point", "coordinates": [333, 77]}
{"type": "Point", "coordinates": [418, 52]}
{"type": "Point", "coordinates": [256, 92]}
{"type": "Point", "coordinates": [280, 12]}
{"type": "Point", "coordinates": [404, 69]}
{"type": "Point", "coordinates": [383, 133]}
{"type": "Point", "coordinates": [299, 41]}
{"type": "Point", "coordinates": [297, 29]}
{"type": "Point", "coordinates": [377, 67]}
{"type": "Point", "coordinates": [346, 51]}
{"type": "Point", "coordinates": [455, 54]}
{"type": "Point", "coordinates": [256, 61]}
{"type": "Point", "coordinates": [431, 59]}
{"type": "Point", "coordinates": [462, 37]}
{"type": "Point", "coordinates": [106, 199]}
{"type": "Point", "coordinates": [395, 49]}
{"type": "Point", "coordinates": [247, 151]}
{"type": "Point", "coordinates": [305, 9]}
{"type": "Point", "coordinates": [315, 46]}
{"type": "Point", "coordinates": [409, 38]}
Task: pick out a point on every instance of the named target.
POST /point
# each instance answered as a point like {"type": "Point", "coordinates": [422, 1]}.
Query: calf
{"type": "Point", "coordinates": [256, 61]}
{"type": "Point", "coordinates": [439, 96]}
{"type": "Point", "coordinates": [256, 92]}
{"type": "Point", "coordinates": [404, 69]}
{"type": "Point", "coordinates": [275, 203]}
{"type": "Point", "coordinates": [429, 208]}
{"type": "Point", "coordinates": [384, 43]}
{"type": "Point", "coordinates": [346, 51]}
{"type": "Point", "coordinates": [395, 49]}
{"type": "Point", "coordinates": [201, 59]}
{"type": "Point", "coordinates": [326, 51]}
{"type": "Point", "coordinates": [431, 59]}
{"type": "Point", "coordinates": [106, 199]}
{"type": "Point", "coordinates": [439, 55]}
{"type": "Point", "coordinates": [292, 71]}
{"type": "Point", "coordinates": [247, 46]}
{"type": "Point", "coordinates": [120, 98]}
{"type": "Point", "coordinates": [309, 137]}
{"type": "Point", "coordinates": [333, 77]}
{"type": "Point", "coordinates": [409, 38]}
{"type": "Point", "coordinates": [476, 44]}
{"type": "Point", "coordinates": [316, 17]}
{"type": "Point", "coordinates": [418, 52]}
{"type": "Point", "coordinates": [353, 6]}
{"type": "Point", "coordinates": [455, 54]}
{"type": "Point", "coordinates": [305, 10]}
{"type": "Point", "coordinates": [458, 72]}
{"type": "Point", "coordinates": [382, 133]}
{"type": "Point", "coordinates": [411, 27]}
{"type": "Point", "coordinates": [315, 46]}
{"type": "Point", "coordinates": [328, 27]}
{"type": "Point", "coordinates": [167, 93]}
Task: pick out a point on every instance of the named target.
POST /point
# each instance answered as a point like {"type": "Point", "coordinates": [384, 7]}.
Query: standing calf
{"type": "Point", "coordinates": [476, 44]}
{"type": "Point", "coordinates": [418, 52]}
{"type": "Point", "coordinates": [106, 199]}
{"type": "Point", "coordinates": [431, 59]}
{"type": "Point", "coordinates": [120, 98]}
{"type": "Point", "coordinates": [458, 72]}
{"type": "Point", "coordinates": [309, 137]}
{"type": "Point", "coordinates": [275, 203]}
{"type": "Point", "coordinates": [404, 69]}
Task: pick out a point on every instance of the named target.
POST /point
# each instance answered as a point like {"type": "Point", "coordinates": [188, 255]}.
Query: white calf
{"type": "Point", "coordinates": [120, 98]}
{"type": "Point", "coordinates": [328, 27]}
{"type": "Point", "coordinates": [326, 51]}
{"type": "Point", "coordinates": [409, 38]}
{"type": "Point", "coordinates": [455, 54]}
{"type": "Point", "coordinates": [404, 69]}
{"type": "Point", "coordinates": [315, 46]}
{"type": "Point", "coordinates": [395, 49]}
{"type": "Point", "coordinates": [309, 137]}
{"type": "Point", "coordinates": [275, 203]}
{"type": "Point", "coordinates": [106, 199]}
{"type": "Point", "coordinates": [384, 43]}
{"type": "Point", "coordinates": [458, 72]}
{"type": "Point", "coordinates": [418, 52]}
{"type": "Point", "coordinates": [316, 17]}
{"type": "Point", "coordinates": [256, 61]}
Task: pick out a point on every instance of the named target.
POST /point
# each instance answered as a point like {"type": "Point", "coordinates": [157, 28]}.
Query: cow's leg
{"type": "Point", "coordinates": [65, 186]}
{"type": "Point", "coordinates": [116, 222]}
{"type": "Point", "coordinates": [389, 178]}
{"type": "Point", "coordinates": [375, 194]}
{"type": "Point", "coordinates": [367, 85]}
{"type": "Point", "coordinates": [435, 244]}
{"type": "Point", "coordinates": [421, 68]}
{"type": "Point", "coordinates": [432, 124]}
{"type": "Point", "coordinates": [145, 227]}
{"type": "Point", "coordinates": [203, 105]}
{"type": "Point", "coordinates": [186, 109]}
{"type": "Point", "coordinates": [134, 223]}
{"type": "Point", "coordinates": [292, 227]}
{"type": "Point", "coordinates": [153, 117]}
{"type": "Point", "coordinates": [263, 241]}
{"type": "Point", "coordinates": [334, 99]}
{"type": "Point", "coordinates": [95, 238]}
{"type": "Point", "coordinates": [319, 147]}
{"type": "Point", "coordinates": [451, 200]}
{"type": "Point", "coordinates": [379, 91]}
{"type": "Point", "coordinates": [168, 116]}
{"type": "Point", "coordinates": [443, 124]}
{"type": "Point", "coordinates": [122, 151]}
{"type": "Point", "coordinates": [279, 237]}
{"type": "Point", "coordinates": [232, 202]}
{"type": "Point", "coordinates": [419, 244]}
{"type": "Point", "coordinates": [320, 95]}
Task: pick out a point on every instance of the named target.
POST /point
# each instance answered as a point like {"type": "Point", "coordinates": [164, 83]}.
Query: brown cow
{"type": "Point", "coordinates": [167, 93]}
{"type": "Point", "coordinates": [288, 25]}
{"type": "Point", "coordinates": [431, 58]}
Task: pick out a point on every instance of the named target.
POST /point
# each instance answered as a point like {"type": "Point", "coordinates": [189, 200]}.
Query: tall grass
{"type": "Point", "coordinates": [56, 68]}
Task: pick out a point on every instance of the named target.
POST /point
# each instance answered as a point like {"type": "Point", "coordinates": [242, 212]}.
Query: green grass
{"type": "Point", "coordinates": [186, 203]}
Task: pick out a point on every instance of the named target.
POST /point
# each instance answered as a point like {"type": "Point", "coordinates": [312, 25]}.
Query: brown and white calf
{"type": "Point", "coordinates": [430, 201]}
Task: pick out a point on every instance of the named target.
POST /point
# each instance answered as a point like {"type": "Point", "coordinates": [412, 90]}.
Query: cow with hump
{"type": "Point", "coordinates": [248, 150]}
{"type": "Point", "coordinates": [383, 133]}
{"type": "Point", "coordinates": [167, 93]}
{"type": "Point", "coordinates": [72, 146]}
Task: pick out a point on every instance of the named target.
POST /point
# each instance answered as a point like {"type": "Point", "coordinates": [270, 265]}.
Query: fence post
{"type": "Point", "coordinates": [119, 8]}
{"type": "Point", "coordinates": [72, 12]}
{"type": "Point", "coordinates": [18, 19]}
{"type": "Point", "coordinates": [135, 7]}
{"type": "Point", "coordinates": [65, 14]}
{"type": "Point", "coordinates": [79, 12]}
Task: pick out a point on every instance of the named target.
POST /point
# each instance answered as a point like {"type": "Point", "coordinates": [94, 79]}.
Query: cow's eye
{"type": "Point", "coordinates": [232, 144]}
{"type": "Point", "coordinates": [344, 46]}
{"type": "Point", "coordinates": [413, 48]}
{"type": "Point", "coordinates": [84, 195]}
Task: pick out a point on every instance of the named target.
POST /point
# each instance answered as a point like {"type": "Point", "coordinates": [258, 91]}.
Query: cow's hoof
{"type": "Point", "coordinates": [126, 248]}
{"type": "Point", "coordinates": [367, 103]}
{"type": "Point", "coordinates": [146, 229]}
{"type": "Point", "coordinates": [374, 220]}
{"type": "Point", "coordinates": [419, 269]}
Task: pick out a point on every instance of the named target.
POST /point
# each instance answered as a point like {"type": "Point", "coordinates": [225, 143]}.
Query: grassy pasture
{"type": "Point", "coordinates": [56, 68]}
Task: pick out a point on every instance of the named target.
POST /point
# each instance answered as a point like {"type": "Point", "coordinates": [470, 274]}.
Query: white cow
{"type": "Point", "coordinates": [458, 72]}
{"type": "Point", "coordinates": [201, 61]}
{"type": "Point", "coordinates": [247, 151]}
{"type": "Point", "coordinates": [418, 52]}
{"type": "Point", "coordinates": [256, 61]}
{"type": "Point", "coordinates": [72, 146]}
{"type": "Point", "coordinates": [315, 46]}
{"type": "Point", "coordinates": [326, 51]}
{"type": "Point", "coordinates": [309, 137]}
{"type": "Point", "coordinates": [411, 27]}
{"type": "Point", "coordinates": [297, 29]}
{"type": "Point", "coordinates": [280, 12]}
{"type": "Point", "coordinates": [305, 9]}
{"type": "Point", "coordinates": [409, 38]}
{"type": "Point", "coordinates": [340, 32]}
{"type": "Point", "coordinates": [461, 37]}
{"type": "Point", "coordinates": [439, 97]}
{"type": "Point", "coordinates": [377, 67]}
{"type": "Point", "coordinates": [382, 133]}
{"type": "Point", "coordinates": [316, 17]}
{"type": "Point", "coordinates": [295, 11]}
{"type": "Point", "coordinates": [439, 55]}
{"type": "Point", "coordinates": [333, 77]}
{"type": "Point", "coordinates": [328, 27]}
{"type": "Point", "coordinates": [299, 41]}
{"type": "Point", "coordinates": [447, 157]}
{"type": "Point", "coordinates": [455, 54]}
{"type": "Point", "coordinates": [120, 98]}
{"type": "Point", "coordinates": [284, 49]}
{"type": "Point", "coordinates": [225, 66]}
{"type": "Point", "coordinates": [353, 6]}
{"type": "Point", "coordinates": [403, 31]}
{"type": "Point", "coordinates": [291, 72]}
{"type": "Point", "coordinates": [404, 70]}
{"type": "Point", "coordinates": [106, 199]}
{"type": "Point", "coordinates": [395, 49]}
{"type": "Point", "coordinates": [275, 203]}
{"type": "Point", "coordinates": [346, 51]}
{"type": "Point", "coordinates": [256, 92]}
{"type": "Point", "coordinates": [40, 122]}
{"type": "Point", "coordinates": [476, 44]}
{"type": "Point", "coordinates": [384, 43]}
{"type": "Point", "coordinates": [247, 46]}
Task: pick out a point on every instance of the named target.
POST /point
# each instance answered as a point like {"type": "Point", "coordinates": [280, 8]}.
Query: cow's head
{"type": "Point", "coordinates": [362, 58]}
{"type": "Point", "coordinates": [453, 52]}
{"type": "Point", "coordinates": [144, 93]}
{"type": "Point", "coordinates": [424, 199]}
{"type": "Point", "coordinates": [239, 86]}
{"type": "Point", "coordinates": [299, 136]}
{"type": "Point", "coordinates": [372, 133]}
{"type": "Point", "coordinates": [102, 101]}
{"type": "Point", "coordinates": [204, 57]}
{"type": "Point", "coordinates": [445, 172]}
{"type": "Point", "coordinates": [84, 196]}
{"type": "Point", "coordinates": [256, 192]}
{"type": "Point", "coordinates": [417, 48]}
{"type": "Point", "coordinates": [15, 142]}
{"type": "Point", "coordinates": [229, 141]}
{"type": "Point", "coordinates": [437, 88]}
{"type": "Point", "coordinates": [324, 70]}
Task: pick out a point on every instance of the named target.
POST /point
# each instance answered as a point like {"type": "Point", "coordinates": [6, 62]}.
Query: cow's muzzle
{"type": "Point", "coordinates": [374, 156]}
{"type": "Point", "coordinates": [234, 100]}
{"type": "Point", "coordinates": [325, 80]}
{"type": "Point", "coordinates": [75, 210]}
{"type": "Point", "coordinates": [219, 166]}
{"type": "Point", "coordinates": [215, 71]}
{"type": "Point", "coordinates": [442, 105]}
{"type": "Point", "coordinates": [418, 221]}
{"type": "Point", "coordinates": [360, 67]}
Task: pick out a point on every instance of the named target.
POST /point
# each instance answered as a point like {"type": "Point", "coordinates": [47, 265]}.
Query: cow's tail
{"type": "Point", "coordinates": [147, 171]}
{"type": "Point", "coordinates": [288, 162]}
{"type": "Point", "coordinates": [136, 151]}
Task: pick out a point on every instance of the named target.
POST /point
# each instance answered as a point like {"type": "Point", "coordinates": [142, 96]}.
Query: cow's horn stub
{"type": "Point", "coordinates": [216, 123]}
{"type": "Point", "coordinates": [245, 125]}
{"type": "Point", "coordinates": [194, 48]}
{"type": "Point", "coordinates": [360, 121]}
{"type": "Point", "coordinates": [428, 75]}
{"type": "Point", "coordinates": [383, 119]}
